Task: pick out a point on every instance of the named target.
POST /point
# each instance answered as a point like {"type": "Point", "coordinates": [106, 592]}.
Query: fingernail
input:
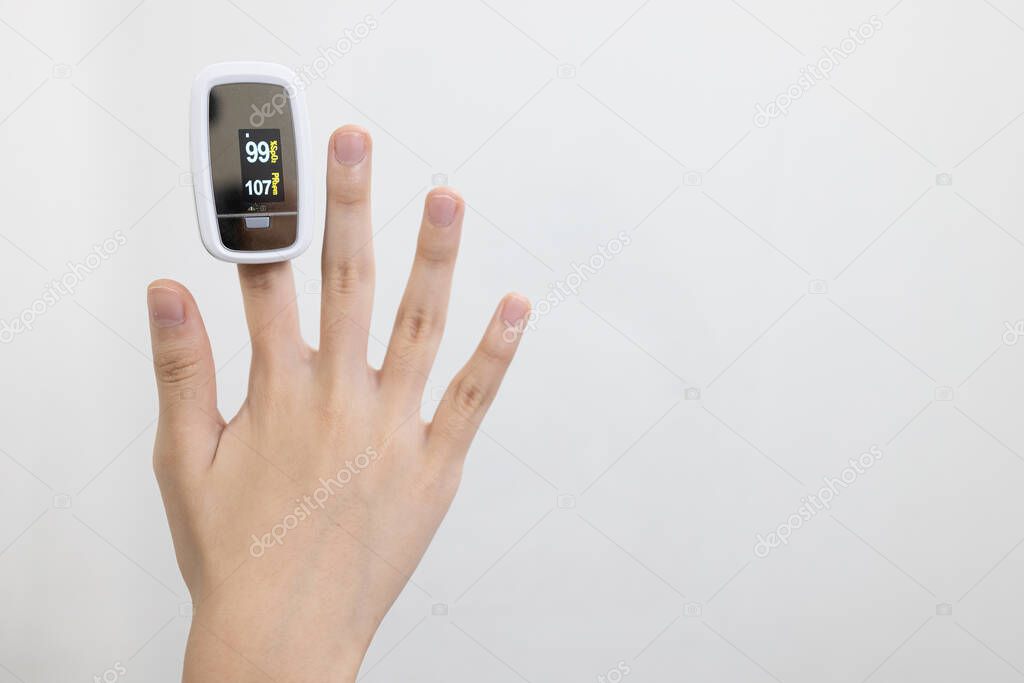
{"type": "Point", "coordinates": [349, 148]}
{"type": "Point", "coordinates": [441, 210]}
{"type": "Point", "coordinates": [514, 309]}
{"type": "Point", "coordinates": [166, 307]}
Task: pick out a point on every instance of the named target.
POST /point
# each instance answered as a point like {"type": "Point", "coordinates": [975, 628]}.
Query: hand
{"type": "Point", "coordinates": [297, 523]}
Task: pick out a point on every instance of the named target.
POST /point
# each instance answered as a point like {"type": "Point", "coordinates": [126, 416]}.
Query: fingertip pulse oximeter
{"type": "Point", "coordinates": [249, 141]}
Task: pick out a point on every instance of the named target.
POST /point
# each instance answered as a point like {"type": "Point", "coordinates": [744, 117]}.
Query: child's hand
{"type": "Point", "coordinates": [297, 523]}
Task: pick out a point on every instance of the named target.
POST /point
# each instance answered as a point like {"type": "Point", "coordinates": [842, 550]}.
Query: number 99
{"type": "Point", "coordinates": [257, 151]}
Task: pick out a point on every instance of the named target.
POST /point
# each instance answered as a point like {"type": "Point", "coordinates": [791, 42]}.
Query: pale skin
{"type": "Point", "coordinates": [305, 607]}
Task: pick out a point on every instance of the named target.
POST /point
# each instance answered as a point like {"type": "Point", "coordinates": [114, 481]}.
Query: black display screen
{"type": "Point", "coordinates": [253, 158]}
{"type": "Point", "coordinates": [262, 165]}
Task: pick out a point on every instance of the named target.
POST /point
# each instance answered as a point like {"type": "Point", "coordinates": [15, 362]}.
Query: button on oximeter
{"type": "Point", "coordinates": [257, 222]}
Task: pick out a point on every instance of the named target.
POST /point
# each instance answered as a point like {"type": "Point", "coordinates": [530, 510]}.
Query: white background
{"type": "Point", "coordinates": [792, 296]}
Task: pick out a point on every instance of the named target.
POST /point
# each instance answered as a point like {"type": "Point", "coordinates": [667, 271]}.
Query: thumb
{"type": "Point", "coordinates": [189, 425]}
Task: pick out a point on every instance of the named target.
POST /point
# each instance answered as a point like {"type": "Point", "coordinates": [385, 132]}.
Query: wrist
{"type": "Point", "coordinates": [218, 652]}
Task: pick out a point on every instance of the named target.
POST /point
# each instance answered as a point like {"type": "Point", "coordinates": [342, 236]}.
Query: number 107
{"type": "Point", "coordinates": [257, 188]}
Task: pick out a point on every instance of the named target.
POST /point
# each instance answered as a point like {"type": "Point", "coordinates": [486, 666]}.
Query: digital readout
{"type": "Point", "coordinates": [260, 151]}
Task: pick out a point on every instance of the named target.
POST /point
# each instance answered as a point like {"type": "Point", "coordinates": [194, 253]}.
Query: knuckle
{"type": "Point", "coordinates": [417, 325]}
{"type": "Point", "coordinates": [177, 366]}
{"type": "Point", "coordinates": [435, 255]}
{"type": "Point", "coordinates": [334, 411]}
{"type": "Point", "coordinates": [469, 397]}
{"type": "Point", "coordinates": [347, 192]}
{"type": "Point", "coordinates": [330, 414]}
{"type": "Point", "coordinates": [346, 276]}
{"type": "Point", "coordinates": [259, 281]}
{"type": "Point", "coordinates": [494, 354]}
